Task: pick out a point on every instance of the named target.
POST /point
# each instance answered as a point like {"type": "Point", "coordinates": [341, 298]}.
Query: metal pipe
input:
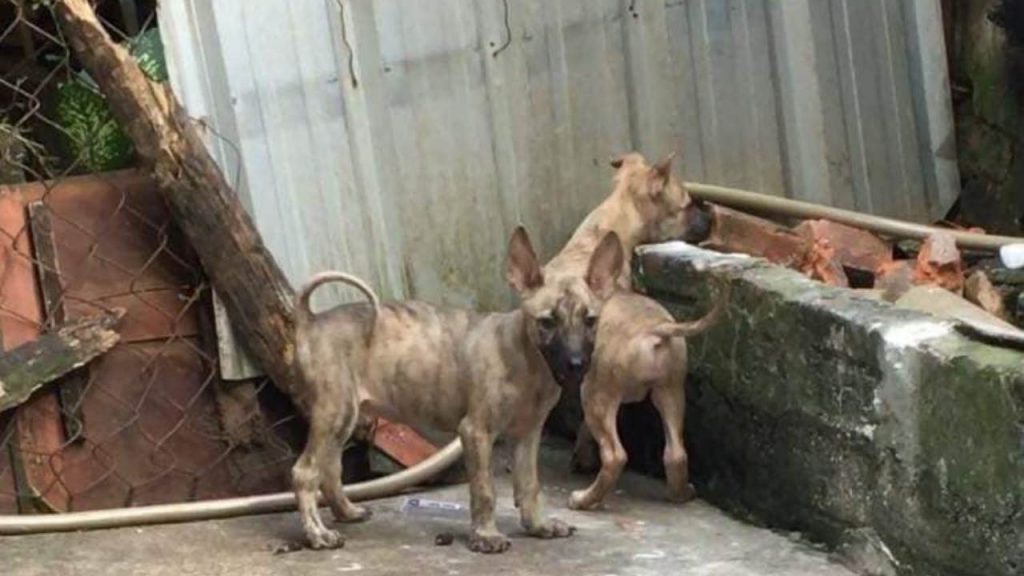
{"type": "Point", "coordinates": [225, 508]}
{"type": "Point", "coordinates": [764, 203]}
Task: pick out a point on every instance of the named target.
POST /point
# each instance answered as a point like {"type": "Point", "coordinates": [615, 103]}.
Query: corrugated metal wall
{"type": "Point", "coordinates": [403, 139]}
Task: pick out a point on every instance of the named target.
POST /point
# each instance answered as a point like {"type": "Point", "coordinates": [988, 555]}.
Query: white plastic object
{"type": "Point", "coordinates": [1012, 255]}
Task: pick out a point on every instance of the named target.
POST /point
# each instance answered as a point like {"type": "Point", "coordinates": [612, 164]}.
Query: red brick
{"type": "Point", "coordinates": [401, 443]}
{"type": "Point", "coordinates": [821, 264]}
{"type": "Point", "coordinates": [734, 231]}
{"type": "Point", "coordinates": [939, 263]}
{"type": "Point", "coordinates": [854, 248]}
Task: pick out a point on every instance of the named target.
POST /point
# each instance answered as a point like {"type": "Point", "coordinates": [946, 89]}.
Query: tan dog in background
{"type": "Point", "coordinates": [640, 349]}
{"type": "Point", "coordinates": [452, 370]}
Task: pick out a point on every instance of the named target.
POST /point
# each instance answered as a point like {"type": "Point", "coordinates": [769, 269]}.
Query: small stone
{"type": "Point", "coordinates": [894, 279]}
{"type": "Point", "coordinates": [979, 290]}
{"type": "Point", "coordinates": [864, 552]}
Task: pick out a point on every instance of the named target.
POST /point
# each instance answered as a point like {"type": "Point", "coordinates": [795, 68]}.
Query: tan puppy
{"type": "Point", "coordinates": [647, 204]}
{"type": "Point", "coordinates": [642, 349]}
{"type": "Point", "coordinates": [454, 370]}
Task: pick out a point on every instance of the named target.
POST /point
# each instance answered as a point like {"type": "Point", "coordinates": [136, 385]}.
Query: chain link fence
{"type": "Point", "coordinates": [82, 232]}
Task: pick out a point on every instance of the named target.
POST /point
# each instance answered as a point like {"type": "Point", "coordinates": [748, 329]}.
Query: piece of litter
{"type": "Point", "coordinates": [423, 507]}
{"type": "Point", "coordinates": [1012, 255]}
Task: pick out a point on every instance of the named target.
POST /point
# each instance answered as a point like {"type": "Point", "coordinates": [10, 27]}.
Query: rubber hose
{"type": "Point", "coordinates": [225, 508]}
{"type": "Point", "coordinates": [778, 206]}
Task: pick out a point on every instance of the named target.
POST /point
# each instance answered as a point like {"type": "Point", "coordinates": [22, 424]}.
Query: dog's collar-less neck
{"type": "Point", "coordinates": [618, 214]}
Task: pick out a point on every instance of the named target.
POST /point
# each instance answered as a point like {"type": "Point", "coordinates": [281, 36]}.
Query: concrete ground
{"type": "Point", "coordinates": [636, 534]}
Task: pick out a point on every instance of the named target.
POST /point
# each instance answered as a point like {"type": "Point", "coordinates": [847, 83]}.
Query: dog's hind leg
{"type": "Point", "coordinates": [670, 400]}
{"type": "Point", "coordinates": [342, 508]}
{"type": "Point", "coordinates": [306, 479]}
{"type": "Point", "coordinates": [585, 459]}
{"type": "Point", "coordinates": [601, 413]}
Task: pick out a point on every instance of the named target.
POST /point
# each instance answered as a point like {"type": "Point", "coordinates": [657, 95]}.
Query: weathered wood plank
{"type": "Point", "coordinates": [72, 385]}
{"type": "Point", "coordinates": [30, 366]}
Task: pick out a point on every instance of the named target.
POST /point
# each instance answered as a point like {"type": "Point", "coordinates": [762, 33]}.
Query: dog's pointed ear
{"type": "Point", "coordinates": [659, 176]}
{"type": "Point", "coordinates": [663, 169]}
{"type": "Point", "coordinates": [522, 270]}
{"type": "Point", "coordinates": [605, 266]}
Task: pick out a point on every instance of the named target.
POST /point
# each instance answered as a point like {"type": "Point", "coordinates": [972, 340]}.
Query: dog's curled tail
{"type": "Point", "coordinates": [303, 313]}
{"type": "Point", "coordinates": [692, 328]}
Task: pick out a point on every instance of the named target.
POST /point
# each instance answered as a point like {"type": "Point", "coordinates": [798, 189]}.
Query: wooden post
{"type": "Point", "coordinates": [247, 278]}
{"type": "Point", "coordinates": [72, 386]}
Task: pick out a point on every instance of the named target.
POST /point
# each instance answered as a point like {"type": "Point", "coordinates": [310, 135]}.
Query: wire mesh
{"type": "Point", "coordinates": [82, 232]}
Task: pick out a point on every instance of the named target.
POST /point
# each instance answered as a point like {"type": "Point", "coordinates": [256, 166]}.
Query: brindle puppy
{"type": "Point", "coordinates": [479, 375]}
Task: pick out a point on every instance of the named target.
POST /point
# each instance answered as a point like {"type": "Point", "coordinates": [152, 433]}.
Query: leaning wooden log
{"type": "Point", "coordinates": [254, 290]}
{"type": "Point", "coordinates": [30, 366]}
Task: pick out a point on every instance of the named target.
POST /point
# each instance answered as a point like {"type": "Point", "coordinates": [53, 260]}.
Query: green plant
{"type": "Point", "coordinates": [92, 136]}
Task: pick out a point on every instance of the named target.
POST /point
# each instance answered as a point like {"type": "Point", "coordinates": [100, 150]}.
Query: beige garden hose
{"type": "Point", "coordinates": [226, 508]}
{"type": "Point", "coordinates": [778, 206]}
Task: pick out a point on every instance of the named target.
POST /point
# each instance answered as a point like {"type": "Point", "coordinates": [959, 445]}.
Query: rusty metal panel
{"type": "Point", "coordinates": [402, 140]}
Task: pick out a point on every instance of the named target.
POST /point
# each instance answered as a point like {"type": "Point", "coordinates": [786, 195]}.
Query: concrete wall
{"type": "Point", "coordinates": [817, 410]}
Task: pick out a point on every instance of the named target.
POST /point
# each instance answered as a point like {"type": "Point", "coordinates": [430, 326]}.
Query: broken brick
{"type": "Point", "coordinates": [401, 443]}
{"type": "Point", "coordinates": [854, 248]}
{"type": "Point", "coordinates": [821, 264]}
{"type": "Point", "coordinates": [894, 279]}
{"type": "Point", "coordinates": [939, 263]}
{"type": "Point", "coordinates": [734, 231]}
{"type": "Point", "coordinates": [980, 290]}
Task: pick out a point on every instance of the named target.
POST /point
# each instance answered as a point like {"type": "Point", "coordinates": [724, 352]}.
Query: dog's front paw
{"type": "Point", "coordinates": [552, 528]}
{"type": "Point", "coordinates": [323, 539]}
{"type": "Point", "coordinates": [579, 500]}
{"type": "Point", "coordinates": [488, 542]}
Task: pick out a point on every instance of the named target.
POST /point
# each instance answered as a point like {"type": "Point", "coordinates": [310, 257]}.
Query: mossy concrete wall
{"type": "Point", "coordinates": [819, 410]}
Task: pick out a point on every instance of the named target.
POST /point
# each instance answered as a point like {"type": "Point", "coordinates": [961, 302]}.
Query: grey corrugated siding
{"type": "Point", "coordinates": [405, 140]}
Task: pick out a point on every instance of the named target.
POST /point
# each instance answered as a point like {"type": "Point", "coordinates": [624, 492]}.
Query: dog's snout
{"type": "Point", "coordinates": [577, 362]}
{"type": "Point", "coordinates": [698, 222]}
